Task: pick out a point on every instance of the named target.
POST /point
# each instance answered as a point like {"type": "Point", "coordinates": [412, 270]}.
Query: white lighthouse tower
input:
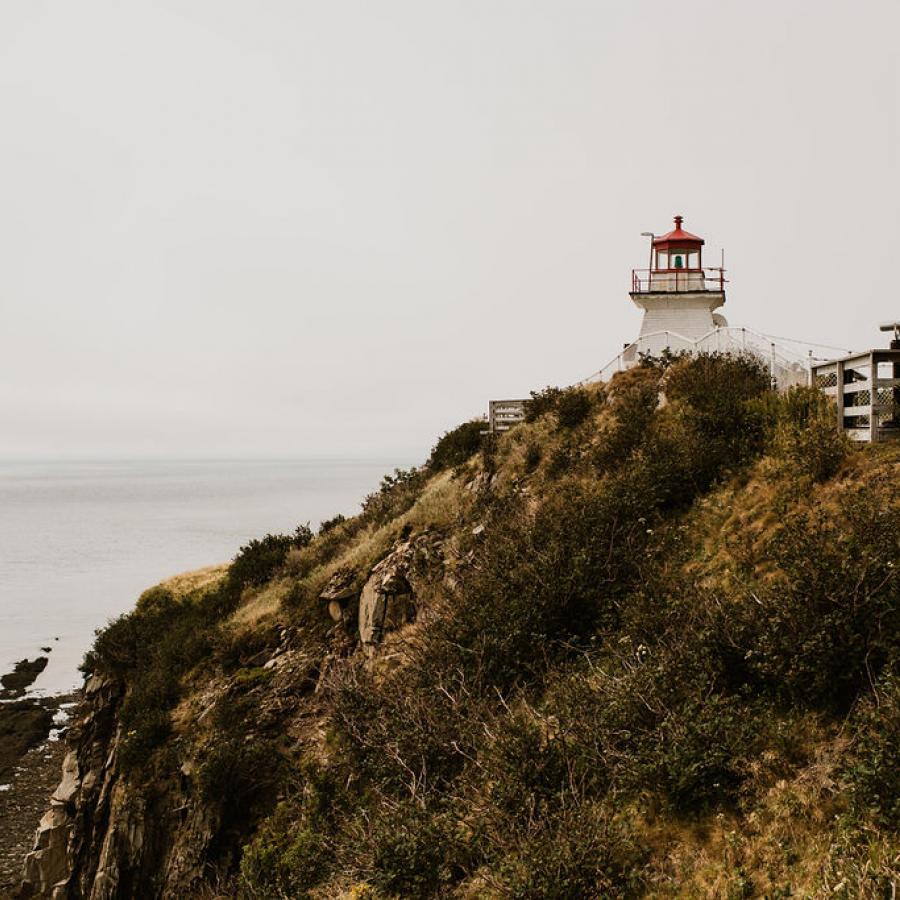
{"type": "Point", "coordinates": [679, 297]}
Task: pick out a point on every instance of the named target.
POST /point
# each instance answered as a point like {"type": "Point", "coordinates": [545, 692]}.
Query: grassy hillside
{"type": "Point", "coordinates": [647, 646]}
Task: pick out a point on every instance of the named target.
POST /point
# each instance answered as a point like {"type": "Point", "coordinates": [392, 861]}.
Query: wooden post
{"type": "Point", "coordinates": [873, 400]}
{"type": "Point", "coordinates": [839, 371]}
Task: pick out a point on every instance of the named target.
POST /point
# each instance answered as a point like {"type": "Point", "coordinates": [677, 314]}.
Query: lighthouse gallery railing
{"type": "Point", "coordinates": [647, 281]}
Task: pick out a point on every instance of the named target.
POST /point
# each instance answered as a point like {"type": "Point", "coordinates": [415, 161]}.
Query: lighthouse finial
{"type": "Point", "coordinates": [678, 221]}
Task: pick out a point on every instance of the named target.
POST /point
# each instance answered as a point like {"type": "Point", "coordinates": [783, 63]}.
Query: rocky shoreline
{"type": "Point", "coordinates": [31, 754]}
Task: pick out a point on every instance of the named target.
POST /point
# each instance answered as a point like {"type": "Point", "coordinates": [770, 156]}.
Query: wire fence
{"type": "Point", "coordinates": [788, 360]}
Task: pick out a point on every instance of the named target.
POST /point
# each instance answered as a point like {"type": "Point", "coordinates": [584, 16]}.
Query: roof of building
{"type": "Point", "coordinates": [678, 236]}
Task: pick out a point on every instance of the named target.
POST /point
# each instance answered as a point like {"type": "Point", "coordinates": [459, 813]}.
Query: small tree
{"type": "Point", "coordinates": [456, 446]}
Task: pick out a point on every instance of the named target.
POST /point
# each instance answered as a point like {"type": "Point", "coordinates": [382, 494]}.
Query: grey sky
{"type": "Point", "coordinates": [305, 228]}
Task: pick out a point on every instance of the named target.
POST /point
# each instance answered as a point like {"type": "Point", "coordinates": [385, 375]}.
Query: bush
{"type": "Point", "coordinates": [633, 408]}
{"type": "Point", "coordinates": [258, 560]}
{"type": "Point", "coordinates": [717, 386]}
{"type": "Point", "coordinates": [149, 650]}
{"type": "Point", "coordinates": [666, 358]}
{"type": "Point", "coordinates": [332, 523]}
{"type": "Point", "coordinates": [872, 771]}
{"type": "Point", "coordinates": [698, 756]}
{"type": "Point", "coordinates": [284, 861]}
{"type": "Point", "coordinates": [396, 494]}
{"type": "Point", "coordinates": [457, 446]}
{"type": "Point", "coordinates": [657, 719]}
{"type": "Point", "coordinates": [532, 456]}
{"type": "Point", "coordinates": [824, 633]}
{"type": "Point", "coordinates": [542, 402]}
{"type": "Point", "coordinates": [233, 648]}
{"type": "Point", "coordinates": [804, 433]}
{"type": "Point", "coordinates": [583, 851]}
{"type": "Point", "coordinates": [402, 724]}
{"type": "Point", "coordinates": [412, 852]}
{"type": "Point", "coordinates": [235, 773]}
{"type": "Point", "coordinates": [573, 407]}
{"type": "Point", "coordinates": [291, 852]}
{"type": "Point", "coordinates": [523, 772]}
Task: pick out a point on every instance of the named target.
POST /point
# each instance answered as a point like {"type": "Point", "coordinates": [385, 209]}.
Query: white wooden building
{"type": "Point", "coordinates": [866, 390]}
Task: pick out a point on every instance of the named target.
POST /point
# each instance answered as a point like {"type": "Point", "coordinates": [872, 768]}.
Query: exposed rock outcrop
{"type": "Point", "coordinates": [397, 587]}
{"type": "Point", "coordinates": [103, 836]}
{"type": "Point", "coordinates": [63, 846]}
{"type": "Point", "coordinates": [340, 594]}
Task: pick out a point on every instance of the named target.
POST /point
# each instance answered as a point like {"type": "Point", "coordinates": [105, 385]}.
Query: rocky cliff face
{"type": "Point", "coordinates": [107, 836]}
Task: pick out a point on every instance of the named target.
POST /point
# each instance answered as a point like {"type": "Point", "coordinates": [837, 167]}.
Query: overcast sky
{"type": "Point", "coordinates": [315, 228]}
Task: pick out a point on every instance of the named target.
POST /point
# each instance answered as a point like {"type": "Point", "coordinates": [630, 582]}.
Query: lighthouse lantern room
{"type": "Point", "coordinates": [678, 295]}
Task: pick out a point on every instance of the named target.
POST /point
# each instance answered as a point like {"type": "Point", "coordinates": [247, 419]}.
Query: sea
{"type": "Point", "coordinates": [80, 541]}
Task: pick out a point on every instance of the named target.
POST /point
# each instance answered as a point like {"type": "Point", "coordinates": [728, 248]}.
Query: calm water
{"type": "Point", "coordinates": [80, 541]}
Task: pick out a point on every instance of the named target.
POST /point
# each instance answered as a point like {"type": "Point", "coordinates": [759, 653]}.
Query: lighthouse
{"type": "Point", "coordinates": [677, 294]}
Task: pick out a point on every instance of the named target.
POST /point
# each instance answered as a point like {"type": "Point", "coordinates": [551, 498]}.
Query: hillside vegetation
{"type": "Point", "coordinates": [644, 644]}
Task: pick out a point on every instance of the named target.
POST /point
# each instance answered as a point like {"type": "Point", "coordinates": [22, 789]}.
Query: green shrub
{"type": "Point", "coordinates": [309, 615]}
{"type": "Point", "coordinates": [872, 771]}
{"type": "Point", "coordinates": [332, 523]}
{"type": "Point", "coordinates": [457, 446]}
{"type": "Point", "coordinates": [573, 407]}
{"type": "Point", "coordinates": [633, 408]}
{"type": "Point", "coordinates": [258, 560]}
{"type": "Point", "coordinates": [146, 723]}
{"type": "Point", "coordinates": [523, 771]}
{"type": "Point", "coordinates": [657, 719]}
{"type": "Point", "coordinates": [698, 755]}
{"type": "Point", "coordinates": [403, 724]}
{"type": "Point", "coordinates": [582, 851]}
{"type": "Point", "coordinates": [823, 634]}
{"type": "Point", "coordinates": [542, 402]}
{"type": "Point", "coordinates": [412, 852]}
{"type": "Point", "coordinates": [396, 494]}
{"type": "Point", "coordinates": [804, 433]}
{"type": "Point", "coordinates": [561, 460]}
{"type": "Point", "coordinates": [292, 851]}
{"type": "Point", "coordinates": [149, 650]}
{"type": "Point", "coordinates": [236, 773]}
{"type": "Point", "coordinates": [532, 456]}
{"type": "Point", "coordinates": [720, 394]}
{"type": "Point", "coordinates": [664, 360]}
{"type": "Point", "coordinates": [284, 861]}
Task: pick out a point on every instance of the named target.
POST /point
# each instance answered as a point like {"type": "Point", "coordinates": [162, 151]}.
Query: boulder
{"type": "Point", "coordinates": [392, 594]}
{"type": "Point", "coordinates": [339, 593]}
{"type": "Point", "coordinates": [47, 865]}
{"type": "Point", "coordinates": [70, 783]}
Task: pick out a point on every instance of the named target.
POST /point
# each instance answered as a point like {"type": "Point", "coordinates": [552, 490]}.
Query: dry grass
{"type": "Point", "coordinates": [189, 582]}
{"type": "Point", "coordinates": [259, 605]}
{"type": "Point", "coordinates": [777, 841]}
{"type": "Point", "coordinates": [747, 512]}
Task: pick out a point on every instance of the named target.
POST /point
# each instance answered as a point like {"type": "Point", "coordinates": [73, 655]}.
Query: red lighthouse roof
{"type": "Point", "coordinates": [678, 239]}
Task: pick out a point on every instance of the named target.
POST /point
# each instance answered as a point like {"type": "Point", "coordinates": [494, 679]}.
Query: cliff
{"type": "Point", "coordinates": [643, 644]}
